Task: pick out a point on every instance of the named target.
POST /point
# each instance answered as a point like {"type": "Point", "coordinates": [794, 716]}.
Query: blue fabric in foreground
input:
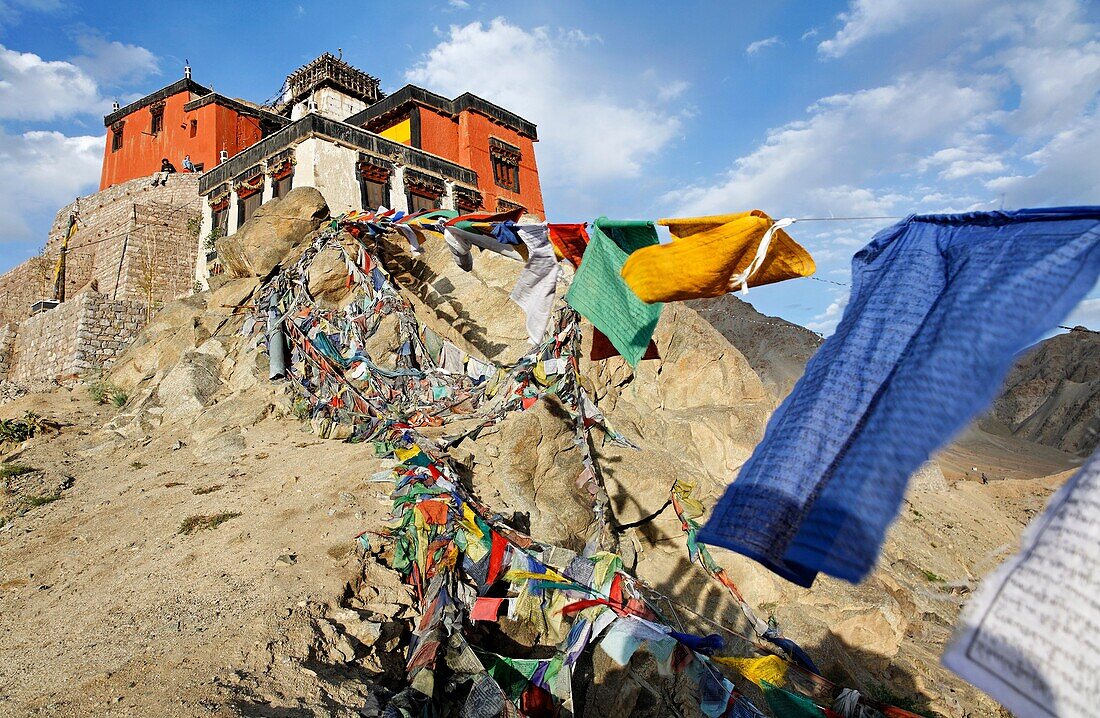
{"type": "Point", "coordinates": [940, 305]}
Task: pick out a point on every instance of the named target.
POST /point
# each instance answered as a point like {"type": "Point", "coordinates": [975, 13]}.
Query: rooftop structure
{"type": "Point", "coordinates": [305, 85]}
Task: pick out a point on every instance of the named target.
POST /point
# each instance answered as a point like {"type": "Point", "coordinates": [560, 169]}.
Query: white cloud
{"type": "Point", "coordinates": [43, 171]}
{"type": "Point", "coordinates": [587, 136]}
{"type": "Point", "coordinates": [809, 34]}
{"type": "Point", "coordinates": [755, 47]}
{"type": "Point", "coordinates": [672, 90]}
{"type": "Point", "coordinates": [10, 10]}
{"type": "Point", "coordinates": [833, 161]}
{"type": "Point", "coordinates": [826, 321]}
{"type": "Point", "coordinates": [35, 89]}
{"type": "Point", "coordinates": [1086, 314]}
{"type": "Point", "coordinates": [113, 62]}
{"type": "Point", "coordinates": [458, 4]}
{"type": "Point", "coordinates": [1066, 169]}
{"type": "Point", "coordinates": [867, 19]}
{"type": "Point", "coordinates": [958, 162]}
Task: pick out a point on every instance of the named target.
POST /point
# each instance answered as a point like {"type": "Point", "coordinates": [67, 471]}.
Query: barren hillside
{"type": "Point", "coordinates": [193, 552]}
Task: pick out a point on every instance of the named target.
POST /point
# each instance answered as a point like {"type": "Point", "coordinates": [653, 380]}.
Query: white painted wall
{"type": "Point", "coordinates": [329, 102]}
{"type": "Point", "coordinates": [202, 272]}
{"type": "Point", "coordinates": [398, 199]}
{"type": "Point", "coordinates": [330, 168]}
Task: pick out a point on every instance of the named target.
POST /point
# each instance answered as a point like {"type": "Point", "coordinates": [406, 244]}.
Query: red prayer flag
{"type": "Point", "coordinates": [570, 240]}
{"type": "Point", "coordinates": [496, 556]}
{"type": "Point", "coordinates": [486, 609]}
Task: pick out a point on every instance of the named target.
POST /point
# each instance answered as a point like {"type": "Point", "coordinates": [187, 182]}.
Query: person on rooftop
{"type": "Point", "coordinates": [166, 169]}
{"type": "Point", "coordinates": [188, 164]}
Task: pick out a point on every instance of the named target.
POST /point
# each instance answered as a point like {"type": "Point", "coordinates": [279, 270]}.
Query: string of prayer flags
{"type": "Point", "coordinates": [711, 256]}
{"type": "Point", "coordinates": [919, 351]}
{"type": "Point", "coordinates": [600, 295]}
{"type": "Point", "coordinates": [452, 550]}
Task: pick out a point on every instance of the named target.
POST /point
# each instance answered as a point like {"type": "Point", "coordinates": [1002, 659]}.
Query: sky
{"type": "Point", "coordinates": [852, 108]}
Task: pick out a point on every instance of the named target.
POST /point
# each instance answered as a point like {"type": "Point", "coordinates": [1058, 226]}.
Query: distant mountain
{"type": "Point", "coordinates": [1052, 395]}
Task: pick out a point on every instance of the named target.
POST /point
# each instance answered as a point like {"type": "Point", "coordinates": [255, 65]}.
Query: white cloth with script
{"type": "Point", "coordinates": [1029, 636]}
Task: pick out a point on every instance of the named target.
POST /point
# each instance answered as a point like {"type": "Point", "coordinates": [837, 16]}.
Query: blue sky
{"type": "Point", "coordinates": [848, 108]}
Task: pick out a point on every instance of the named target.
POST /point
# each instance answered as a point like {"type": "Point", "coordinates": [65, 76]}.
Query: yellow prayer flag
{"type": "Point", "coordinates": [707, 252]}
{"type": "Point", "coordinates": [406, 454]}
{"type": "Point", "coordinates": [772, 669]}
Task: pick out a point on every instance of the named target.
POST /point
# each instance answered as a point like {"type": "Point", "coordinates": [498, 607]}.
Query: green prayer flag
{"type": "Point", "coordinates": [785, 704]}
{"type": "Point", "coordinates": [599, 293]}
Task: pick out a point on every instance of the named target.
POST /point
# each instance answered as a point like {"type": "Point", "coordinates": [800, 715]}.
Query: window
{"type": "Point", "coordinates": [506, 160]}
{"type": "Point", "coordinates": [247, 206]}
{"type": "Point", "coordinates": [375, 194]}
{"type": "Point", "coordinates": [116, 140]}
{"type": "Point", "coordinates": [418, 202]}
{"type": "Point", "coordinates": [505, 175]}
{"type": "Point", "coordinates": [156, 123]}
{"type": "Point", "coordinates": [280, 186]}
{"type": "Point", "coordinates": [221, 219]}
{"type": "Point", "coordinates": [194, 127]}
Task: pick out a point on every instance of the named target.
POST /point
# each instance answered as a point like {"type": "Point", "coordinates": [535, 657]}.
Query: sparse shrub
{"type": "Point", "coordinates": [137, 465]}
{"type": "Point", "coordinates": [211, 241]}
{"type": "Point", "coordinates": [201, 522]}
{"type": "Point", "coordinates": [10, 471]}
{"type": "Point", "coordinates": [33, 501]}
{"type": "Point", "coordinates": [19, 430]}
{"type": "Point", "coordinates": [101, 390]}
{"type": "Point", "coordinates": [206, 489]}
{"type": "Point", "coordinates": [300, 410]}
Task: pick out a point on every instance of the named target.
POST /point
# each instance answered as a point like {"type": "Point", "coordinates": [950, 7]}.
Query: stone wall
{"type": "Point", "coordinates": [45, 346]}
{"type": "Point", "coordinates": [85, 333]}
{"type": "Point", "coordinates": [7, 340]}
{"type": "Point", "coordinates": [135, 241]}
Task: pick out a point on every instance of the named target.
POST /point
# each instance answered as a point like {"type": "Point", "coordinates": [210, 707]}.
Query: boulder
{"type": "Point", "coordinates": [276, 229]}
{"type": "Point", "coordinates": [328, 278]}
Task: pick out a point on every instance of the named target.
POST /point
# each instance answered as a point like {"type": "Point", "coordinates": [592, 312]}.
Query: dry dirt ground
{"type": "Point", "coordinates": [107, 605]}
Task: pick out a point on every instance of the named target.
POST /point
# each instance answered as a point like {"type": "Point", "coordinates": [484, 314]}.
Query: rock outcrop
{"type": "Point", "coordinates": [277, 228]}
{"type": "Point", "coordinates": [1052, 395]}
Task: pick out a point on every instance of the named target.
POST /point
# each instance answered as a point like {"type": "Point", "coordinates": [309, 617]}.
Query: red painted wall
{"type": "Point", "coordinates": [465, 141]}
{"type": "Point", "coordinates": [218, 128]}
{"type": "Point", "coordinates": [438, 134]}
{"type": "Point", "coordinates": [474, 131]}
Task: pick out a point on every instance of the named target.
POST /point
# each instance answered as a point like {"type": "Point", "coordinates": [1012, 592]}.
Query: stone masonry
{"type": "Point", "coordinates": [134, 240]}
{"type": "Point", "coordinates": [133, 251]}
{"type": "Point", "coordinates": [7, 339]}
{"type": "Point", "coordinates": [66, 342]}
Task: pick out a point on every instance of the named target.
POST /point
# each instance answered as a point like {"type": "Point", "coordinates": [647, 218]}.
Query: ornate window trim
{"type": "Point", "coordinates": [425, 185]}
{"type": "Point", "coordinates": [468, 199]}
{"type": "Point", "coordinates": [156, 118]}
{"type": "Point", "coordinates": [374, 169]}
{"type": "Point", "coordinates": [504, 205]}
{"type": "Point", "coordinates": [249, 183]}
{"type": "Point", "coordinates": [219, 195]}
{"type": "Point", "coordinates": [504, 152]}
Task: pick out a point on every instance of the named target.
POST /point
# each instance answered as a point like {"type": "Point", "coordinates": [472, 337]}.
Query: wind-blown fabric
{"type": "Point", "coordinates": [599, 293]}
{"type": "Point", "coordinates": [940, 305]}
{"type": "Point", "coordinates": [535, 288]}
{"type": "Point", "coordinates": [707, 252]}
